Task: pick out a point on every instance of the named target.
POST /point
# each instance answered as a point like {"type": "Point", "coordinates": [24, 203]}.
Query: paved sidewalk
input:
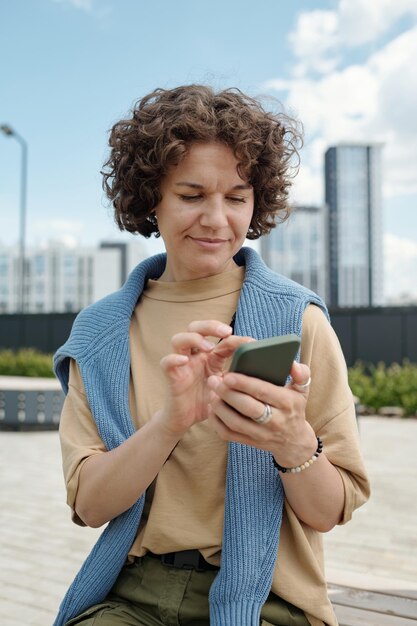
{"type": "Point", "coordinates": [41, 550]}
{"type": "Point", "coordinates": [378, 547]}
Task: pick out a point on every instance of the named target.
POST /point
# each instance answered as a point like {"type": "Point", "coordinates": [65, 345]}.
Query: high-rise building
{"type": "Point", "coordinates": [354, 237]}
{"type": "Point", "coordinates": [296, 248]}
{"type": "Point", "coordinates": [60, 278]}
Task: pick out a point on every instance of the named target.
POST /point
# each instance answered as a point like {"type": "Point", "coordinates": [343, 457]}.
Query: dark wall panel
{"type": "Point", "coordinates": [10, 331]}
{"type": "Point", "coordinates": [45, 332]}
{"type": "Point", "coordinates": [60, 331]}
{"type": "Point", "coordinates": [410, 336]}
{"type": "Point", "coordinates": [387, 334]}
{"type": "Point", "coordinates": [344, 329]}
{"type": "Point", "coordinates": [379, 338]}
{"type": "Point", "coordinates": [376, 334]}
{"type": "Point", "coordinates": [35, 332]}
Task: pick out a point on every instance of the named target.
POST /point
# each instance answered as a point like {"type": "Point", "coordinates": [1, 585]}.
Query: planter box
{"type": "Point", "coordinates": [30, 403]}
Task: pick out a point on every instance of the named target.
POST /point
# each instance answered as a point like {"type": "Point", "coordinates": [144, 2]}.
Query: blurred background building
{"type": "Point", "coordinates": [336, 249]}
{"type": "Point", "coordinates": [60, 278]}
{"type": "Point", "coordinates": [353, 193]}
{"type": "Point", "coordinates": [296, 248]}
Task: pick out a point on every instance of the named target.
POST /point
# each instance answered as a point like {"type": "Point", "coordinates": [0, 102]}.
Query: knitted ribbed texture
{"type": "Point", "coordinates": [269, 305]}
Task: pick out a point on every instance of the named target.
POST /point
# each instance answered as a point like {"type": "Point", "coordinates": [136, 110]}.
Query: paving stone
{"type": "Point", "coordinates": [381, 538]}
{"type": "Point", "coordinates": [41, 550]}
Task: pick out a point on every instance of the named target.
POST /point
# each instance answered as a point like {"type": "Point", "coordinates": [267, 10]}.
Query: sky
{"type": "Point", "coordinates": [71, 68]}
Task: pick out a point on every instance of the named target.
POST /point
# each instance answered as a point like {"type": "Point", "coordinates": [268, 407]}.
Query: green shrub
{"type": "Point", "coordinates": [380, 385]}
{"type": "Point", "coordinates": [375, 385]}
{"type": "Point", "coordinates": [25, 362]}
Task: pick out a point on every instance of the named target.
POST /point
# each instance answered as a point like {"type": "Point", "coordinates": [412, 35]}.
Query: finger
{"type": "Point", "coordinates": [184, 343]}
{"type": "Point", "coordinates": [172, 361]}
{"type": "Point", "coordinates": [219, 427]}
{"type": "Point", "coordinates": [230, 426]}
{"type": "Point", "coordinates": [218, 359]}
{"type": "Point", "coordinates": [259, 389]}
{"type": "Point", "coordinates": [210, 328]}
{"type": "Point", "coordinates": [300, 375]}
{"type": "Point", "coordinates": [236, 421]}
{"type": "Point", "coordinates": [242, 403]}
{"type": "Point", "coordinates": [226, 348]}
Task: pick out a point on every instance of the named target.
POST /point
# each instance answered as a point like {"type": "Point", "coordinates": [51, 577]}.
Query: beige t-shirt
{"type": "Point", "coordinates": [185, 504]}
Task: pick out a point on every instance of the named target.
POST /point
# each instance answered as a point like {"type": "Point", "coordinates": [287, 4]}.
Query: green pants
{"type": "Point", "coordinates": [148, 593]}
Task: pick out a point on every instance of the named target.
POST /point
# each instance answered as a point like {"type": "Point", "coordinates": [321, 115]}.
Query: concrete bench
{"type": "Point", "coordinates": [359, 607]}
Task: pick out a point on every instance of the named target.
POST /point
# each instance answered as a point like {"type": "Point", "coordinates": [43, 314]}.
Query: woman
{"type": "Point", "coordinates": [186, 461]}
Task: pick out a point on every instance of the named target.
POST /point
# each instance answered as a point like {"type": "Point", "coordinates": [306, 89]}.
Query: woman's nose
{"type": "Point", "coordinates": [214, 214]}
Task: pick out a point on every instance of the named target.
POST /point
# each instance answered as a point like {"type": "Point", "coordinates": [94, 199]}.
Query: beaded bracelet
{"type": "Point", "coordinates": [303, 466]}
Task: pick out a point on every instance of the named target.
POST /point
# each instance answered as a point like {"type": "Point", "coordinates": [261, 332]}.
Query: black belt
{"type": "Point", "coordinates": [185, 559]}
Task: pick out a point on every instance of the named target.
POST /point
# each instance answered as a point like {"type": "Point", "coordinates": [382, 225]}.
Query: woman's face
{"type": "Point", "coordinates": [204, 213]}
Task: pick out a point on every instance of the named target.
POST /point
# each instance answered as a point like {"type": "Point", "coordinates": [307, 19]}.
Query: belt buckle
{"type": "Point", "coordinates": [185, 559]}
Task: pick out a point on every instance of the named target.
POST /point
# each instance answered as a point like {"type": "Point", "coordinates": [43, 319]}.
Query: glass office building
{"type": "Point", "coordinates": [354, 225]}
{"type": "Point", "coordinates": [296, 248]}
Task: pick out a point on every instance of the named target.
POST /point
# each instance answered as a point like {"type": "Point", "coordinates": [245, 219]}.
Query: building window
{"type": "Point", "coordinates": [69, 265]}
{"type": "Point", "coordinates": [4, 265]}
{"type": "Point", "coordinates": [39, 264]}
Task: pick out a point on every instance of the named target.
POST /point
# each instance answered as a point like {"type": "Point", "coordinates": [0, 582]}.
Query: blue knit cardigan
{"type": "Point", "coordinates": [269, 305]}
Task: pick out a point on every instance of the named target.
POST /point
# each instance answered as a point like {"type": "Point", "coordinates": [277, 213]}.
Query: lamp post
{"type": "Point", "coordinates": [10, 132]}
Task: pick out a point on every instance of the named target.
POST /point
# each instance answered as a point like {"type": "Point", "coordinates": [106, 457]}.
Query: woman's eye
{"type": "Point", "coordinates": [237, 199]}
{"type": "Point", "coordinates": [190, 198]}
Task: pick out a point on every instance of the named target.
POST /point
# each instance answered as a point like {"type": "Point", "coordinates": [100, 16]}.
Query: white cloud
{"type": "Point", "coordinates": [363, 21]}
{"type": "Point", "coordinates": [374, 101]}
{"type": "Point", "coordinates": [315, 36]}
{"type": "Point", "coordinates": [69, 232]}
{"type": "Point", "coordinates": [395, 118]}
{"type": "Point", "coordinates": [83, 5]}
{"type": "Point", "coordinates": [95, 9]}
{"type": "Point", "coordinates": [307, 188]}
{"type": "Point", "coordinates": [320, 37]}
{"type": "Point", "coordinates": [400, 256]}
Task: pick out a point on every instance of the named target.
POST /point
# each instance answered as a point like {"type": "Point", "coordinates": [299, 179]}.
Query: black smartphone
{"type": "Point", "coordinates": [268, 359]}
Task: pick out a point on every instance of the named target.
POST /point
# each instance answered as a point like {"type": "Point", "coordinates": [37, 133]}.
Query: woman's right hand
{"type": "Point", "coordinates": [111, 482]}
{"type": "Point", "coordinates": [187, 369]}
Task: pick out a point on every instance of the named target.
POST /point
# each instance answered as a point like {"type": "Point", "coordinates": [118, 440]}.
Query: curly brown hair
{"type": "Point", "coordinates": [163, 125]}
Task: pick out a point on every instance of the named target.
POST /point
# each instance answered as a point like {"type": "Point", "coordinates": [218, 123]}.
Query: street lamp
{"type": "Point", "coordinates": [10, 132]}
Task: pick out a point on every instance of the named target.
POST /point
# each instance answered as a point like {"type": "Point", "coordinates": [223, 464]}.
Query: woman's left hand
{"type": "Point", "coordinates": [237, 400]}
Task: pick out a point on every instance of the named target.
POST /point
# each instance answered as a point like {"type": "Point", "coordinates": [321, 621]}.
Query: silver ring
{"type": "Point", "coordinates": [302, 387]}
{"type": "Point", "coordinates": [265, 417]}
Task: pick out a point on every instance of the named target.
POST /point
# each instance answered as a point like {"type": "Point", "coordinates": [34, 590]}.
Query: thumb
{"type": "Point", "coordinates": [300, 374]}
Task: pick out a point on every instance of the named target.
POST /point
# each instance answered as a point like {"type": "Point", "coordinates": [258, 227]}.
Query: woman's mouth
{"type": "Point", "coordinates": [208, 243]}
